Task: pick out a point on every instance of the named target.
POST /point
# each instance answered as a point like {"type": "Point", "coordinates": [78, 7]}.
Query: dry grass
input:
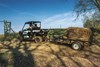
{"type": "Point", "coordinates": [30, 54]}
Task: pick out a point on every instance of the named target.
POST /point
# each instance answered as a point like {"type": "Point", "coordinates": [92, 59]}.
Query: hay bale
{"type": "Point", "coordinates": [82, 34]}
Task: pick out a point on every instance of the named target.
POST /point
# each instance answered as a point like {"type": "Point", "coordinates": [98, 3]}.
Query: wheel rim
{"type": "Point", "coordinates": [76, 46]}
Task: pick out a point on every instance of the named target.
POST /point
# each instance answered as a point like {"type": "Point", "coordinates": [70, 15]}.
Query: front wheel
{"type": "Point", "coordinates": [77, 45]}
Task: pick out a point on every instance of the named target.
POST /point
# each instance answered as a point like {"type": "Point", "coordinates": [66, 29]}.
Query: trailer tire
{"type": "Point", "coordinates": [77, 45]}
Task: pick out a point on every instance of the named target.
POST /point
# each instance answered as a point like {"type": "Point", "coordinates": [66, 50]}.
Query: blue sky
{"type": "Point", "coordinates": [52, 13]}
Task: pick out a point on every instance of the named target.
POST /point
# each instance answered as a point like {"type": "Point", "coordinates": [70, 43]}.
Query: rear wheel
{"type": "Point", "coordinates": [45, 39]}
{"type": "Point", "coordinates": [38, 39]}
{"type": "Point", "coordinates": [77, 45]}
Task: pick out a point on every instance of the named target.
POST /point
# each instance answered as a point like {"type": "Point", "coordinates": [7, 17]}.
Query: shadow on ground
{"type": "Point", "coordinates": [29, 54]}
{"type": "Point", "coordinates": [21, 55]}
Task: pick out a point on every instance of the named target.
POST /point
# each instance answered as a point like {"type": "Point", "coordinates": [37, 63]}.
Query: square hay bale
{"type": "Point", "coordinates": [83, 34]}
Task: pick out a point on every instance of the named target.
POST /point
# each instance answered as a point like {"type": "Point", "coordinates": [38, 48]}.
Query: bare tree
{"type": "Point", "coordinates": [93, 21]}
{"type": "Point", "coordinates": [83, 6]}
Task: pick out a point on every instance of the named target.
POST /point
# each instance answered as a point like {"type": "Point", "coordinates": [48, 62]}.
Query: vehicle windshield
{"type": "Point", "coordinates": [30, 26]}
{"type": "Point", "coordinates": [26, 26]}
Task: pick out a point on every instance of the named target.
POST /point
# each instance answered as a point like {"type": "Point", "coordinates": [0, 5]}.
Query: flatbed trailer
{"type": "Point", "coordinates": [76, 37]}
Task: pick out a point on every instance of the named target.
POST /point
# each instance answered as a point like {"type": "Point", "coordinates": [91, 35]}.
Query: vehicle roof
{"type": "Point", "coordinates": [32, 22]}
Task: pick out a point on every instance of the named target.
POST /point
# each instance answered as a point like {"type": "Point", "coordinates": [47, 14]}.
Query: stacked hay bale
{"type": "Point", "coordinates": [75, 33]}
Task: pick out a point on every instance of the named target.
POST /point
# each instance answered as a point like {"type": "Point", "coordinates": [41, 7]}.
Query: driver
{"type": "Point", "coordinates": [35, 26]}
{"type": "Point", "coordinates": [30, 26]}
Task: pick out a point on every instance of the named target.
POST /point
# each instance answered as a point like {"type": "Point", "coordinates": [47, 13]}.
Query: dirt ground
{"type": "Point", "coordinates": [46, 54]}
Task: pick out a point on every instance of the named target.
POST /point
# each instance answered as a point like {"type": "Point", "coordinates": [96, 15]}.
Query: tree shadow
{"type": "Point", "coordinates": [92, 54]}
{"type": "Point", "coordinates": [3, 61]}
{"type": "Point", "coordinates": [70, 57]}
{"type": "Point", "coordinates": [86, 57]}
{"type": "Point", "coordinates": [57, 56]}
{"type": "Point", "coordinates": [21, 57]}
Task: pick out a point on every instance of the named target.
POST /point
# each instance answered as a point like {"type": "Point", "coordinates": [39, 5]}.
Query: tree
{"type": "Point", "coordinates": [83, 6]}
{"type": "Point", "coordinates": [96, 16]}
{"type": "Point", "coordinates": [94, 21]}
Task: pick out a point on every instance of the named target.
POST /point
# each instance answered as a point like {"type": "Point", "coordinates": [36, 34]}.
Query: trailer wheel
{"type": "Point", "coordinates": [38, 39]}
{"type": "Point", "coordinates": [77, 45]}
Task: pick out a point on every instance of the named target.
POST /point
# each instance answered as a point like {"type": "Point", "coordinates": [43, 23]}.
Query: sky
{"type": "Point", "coordinates": [51, 13]}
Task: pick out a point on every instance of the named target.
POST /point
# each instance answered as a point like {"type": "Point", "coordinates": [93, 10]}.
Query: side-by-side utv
{"type": "Point", "coordinates": [32, 31]}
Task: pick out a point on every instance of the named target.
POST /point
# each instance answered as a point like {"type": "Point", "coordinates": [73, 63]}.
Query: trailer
{"type": "Point", "coordinates": [76, 37]}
